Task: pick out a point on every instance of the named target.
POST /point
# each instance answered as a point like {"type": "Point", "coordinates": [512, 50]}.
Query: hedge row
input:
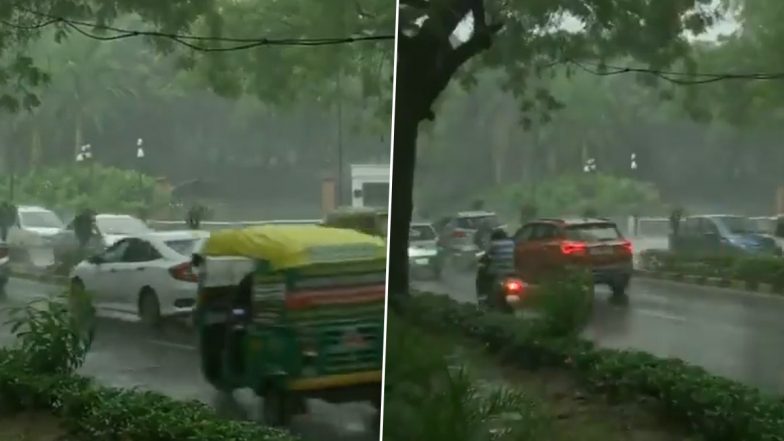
{"type": "Point", "coordinates": [753, 270]}
{"type": "Point", "coordinates": [91, 412]}
{"type": "Point", "coordinates": [717, 408]}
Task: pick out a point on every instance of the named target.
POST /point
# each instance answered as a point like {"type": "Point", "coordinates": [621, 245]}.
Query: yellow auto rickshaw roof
{"type": "Point", "coordinates": [289, 246]}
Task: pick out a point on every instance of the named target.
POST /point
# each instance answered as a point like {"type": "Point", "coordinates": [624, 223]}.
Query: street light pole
{"type": "Point", "coordinates": [85, 155]}
{"type": "Point", "coordinates": [140, 157]}
{"type": "Point", "coordinates": [12, 174]}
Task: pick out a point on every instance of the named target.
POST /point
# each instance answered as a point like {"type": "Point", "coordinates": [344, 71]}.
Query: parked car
{"type": "Point", "coordinates": [35, 230]}
{"type": "Point", "coordinates": [457, 236]}
{"type": "Point", "coordinates": [149, 275]}
{"type": "Point", "coordinates": [595, 244]}
{"type": "Point", "coordinates": [723, 234]}
{"type": "Point", "coordinates": [110, 228]}
{"type": "Point", "coordinates": [423, 253]}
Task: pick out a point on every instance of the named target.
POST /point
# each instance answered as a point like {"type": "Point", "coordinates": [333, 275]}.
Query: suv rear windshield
{"type": "Point", "coordinates": [421, 232]}
{"type": "Point", "coordinates": [592, 232]}
{"type": "Point", "coordinates": [473, 223]}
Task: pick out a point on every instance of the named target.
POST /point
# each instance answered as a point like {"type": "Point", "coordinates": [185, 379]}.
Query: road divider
{"type": "Point", "coordinates": [718, 282]}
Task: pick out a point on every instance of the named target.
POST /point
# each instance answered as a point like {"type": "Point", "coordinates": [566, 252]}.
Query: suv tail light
{"type": "Point", "coordinates": [184, 272]}
{"type": "Point", "coordinates": [458, 234]}
{"type": "Point", "coordinates": [627, 247]}
{"type": "Point", "coordinates": [573, 248]}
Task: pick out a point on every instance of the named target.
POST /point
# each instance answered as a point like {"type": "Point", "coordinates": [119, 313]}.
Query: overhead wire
{"type": "Point", "coordinates": [185, 39]}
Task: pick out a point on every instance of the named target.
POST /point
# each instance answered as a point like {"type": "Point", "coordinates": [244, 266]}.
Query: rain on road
{"type": "Point", "coordinates": [728, 332]}
{"type": "Point", "coordinates": [124, 355]}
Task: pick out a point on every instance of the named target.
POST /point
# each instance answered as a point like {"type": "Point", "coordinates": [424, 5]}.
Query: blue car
{"type": "Point", "coordinates": [722, 234]}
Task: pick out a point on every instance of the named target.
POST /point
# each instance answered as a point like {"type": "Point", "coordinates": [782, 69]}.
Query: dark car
{"type": "Point", "coordinates": [546, 245]}
{"type": "Point", "coordinates": [722, 234]}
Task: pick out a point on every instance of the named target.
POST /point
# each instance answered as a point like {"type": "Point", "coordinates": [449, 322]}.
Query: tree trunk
{"type": "Point", "coordinates": [403, 170]}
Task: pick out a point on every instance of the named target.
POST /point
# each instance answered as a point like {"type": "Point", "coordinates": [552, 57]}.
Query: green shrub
{"type": "Point", "coordinates": [37, 374]}
{"type": "Point", "coordinates": [68, 189]}
{"type": "Point", "coordinates": [605, 195]}
{"type": "Point", "coordinates": [716, 408]}
{"type": "Point", "coordinates": [751, 269]}
{"type": "Point", "coordinates": [48, 337]}
{"type": "Point", "coordinates": [427, 399]}
{"type": "Point", "coordinates": [758, 270]}
{"type": "Point", "coordinates": [566, 302]}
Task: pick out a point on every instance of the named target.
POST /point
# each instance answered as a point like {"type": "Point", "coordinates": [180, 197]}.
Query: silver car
{"type": "Point", "coordinates": [423, 256]}
{"type": "Point", "coordinates": [109, 228]}
{"type": "Point", "coordinates": [457, 237]}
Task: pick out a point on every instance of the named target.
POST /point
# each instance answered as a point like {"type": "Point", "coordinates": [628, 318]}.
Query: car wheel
{"type": "Point", "coordinates": [619, 295]}
{"type": "Point", "coordinates": [149, 309]}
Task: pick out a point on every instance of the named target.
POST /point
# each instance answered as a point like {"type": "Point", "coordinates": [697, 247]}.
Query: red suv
{"type": "Point", "coordinates": [550, 244]}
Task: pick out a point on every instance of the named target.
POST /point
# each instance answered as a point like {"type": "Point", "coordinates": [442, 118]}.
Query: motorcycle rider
{"type": "Point", "coordinates": [497, 262]}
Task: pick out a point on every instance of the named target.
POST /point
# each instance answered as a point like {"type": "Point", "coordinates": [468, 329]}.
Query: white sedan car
{"type": "Point", "coordinates": [149, 275]}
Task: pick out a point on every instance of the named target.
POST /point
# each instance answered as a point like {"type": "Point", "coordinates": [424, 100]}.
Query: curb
{"type": "Point", "coordinates": [38, 277]}
{"type": "Point", "coordinates": [740, 285]}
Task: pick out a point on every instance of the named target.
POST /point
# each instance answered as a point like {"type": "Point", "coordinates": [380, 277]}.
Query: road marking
{"type": "Point", "coordinates": [169, 344]}
{"type": "Point", "coordinates": [661, 315]}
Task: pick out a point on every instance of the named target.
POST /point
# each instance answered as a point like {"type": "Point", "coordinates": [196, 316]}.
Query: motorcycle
{"type": "Point", "coordinates": [504, 293]}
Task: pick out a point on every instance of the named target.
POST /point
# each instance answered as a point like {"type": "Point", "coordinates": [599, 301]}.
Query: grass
{"type": "Point", "coordinates": [572, 413]}
{"type": "Point", "coordinates": [31, 426]}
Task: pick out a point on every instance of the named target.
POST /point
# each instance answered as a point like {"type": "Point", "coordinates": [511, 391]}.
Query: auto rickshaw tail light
{"type": "Point", "coordinates": [184, 272]}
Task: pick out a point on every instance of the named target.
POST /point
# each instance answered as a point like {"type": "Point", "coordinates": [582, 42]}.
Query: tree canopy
{"type": "Point", "coordinates": [443, 40]}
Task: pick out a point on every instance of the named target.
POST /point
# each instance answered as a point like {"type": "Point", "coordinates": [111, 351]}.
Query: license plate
{"type": "Point", "coordinates": [601, 251]}
{"type": "Point", "coordinates": [421, 261]}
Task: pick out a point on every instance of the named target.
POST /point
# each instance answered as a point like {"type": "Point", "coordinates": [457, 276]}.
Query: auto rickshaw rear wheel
{"type": "Point", "coordinates": [280, 406]}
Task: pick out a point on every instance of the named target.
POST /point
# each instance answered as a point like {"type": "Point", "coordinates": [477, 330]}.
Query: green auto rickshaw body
{"type": "Point", "coordinates": [294, 311]}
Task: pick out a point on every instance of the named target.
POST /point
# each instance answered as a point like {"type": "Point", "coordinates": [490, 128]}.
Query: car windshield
{"type": "Point", "coordinates": [185, 247]}
{"type": "Point", "coordinates": [474, 222]}
{"type": "Point", "coordinates": [40, 219]}
{"type": "Point", "coordinates": [592, 232]}
{"type": "Point", "coordinates": [738, 225]}
{"type": "Point", "coordinates": [421, 232]}
{"type": "Point", "coordinates": [121, 225]}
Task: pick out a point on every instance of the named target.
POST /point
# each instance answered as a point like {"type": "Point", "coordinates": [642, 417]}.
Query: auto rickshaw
{"type": "Point", "coordinates": [372, 221]}
{"type": "Point", "coordinates": [292, 312]}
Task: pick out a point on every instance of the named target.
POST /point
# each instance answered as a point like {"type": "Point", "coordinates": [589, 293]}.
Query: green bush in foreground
{"type": "Point", "coordinates": [427, 399]}
{"type": "Point", "coordinates": [714, 407]}
{"type": "Point", "coordinates": [37, 375]}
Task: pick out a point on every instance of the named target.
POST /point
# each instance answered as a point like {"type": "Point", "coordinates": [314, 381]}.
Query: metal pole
{"type": "Point", "coordinates": [339, 87]}
{"type": "Point", "coordinates": [12, 174]}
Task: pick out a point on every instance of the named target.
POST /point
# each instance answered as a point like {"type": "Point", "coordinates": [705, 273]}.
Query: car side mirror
{"type": "Point", "coordinates": [96, 260]}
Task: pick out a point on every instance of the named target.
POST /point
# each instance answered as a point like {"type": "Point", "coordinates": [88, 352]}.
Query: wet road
{"type": "Point", "coordinates": [124, 355]}
{"type": "Point", "coordinates": [728, 332]}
